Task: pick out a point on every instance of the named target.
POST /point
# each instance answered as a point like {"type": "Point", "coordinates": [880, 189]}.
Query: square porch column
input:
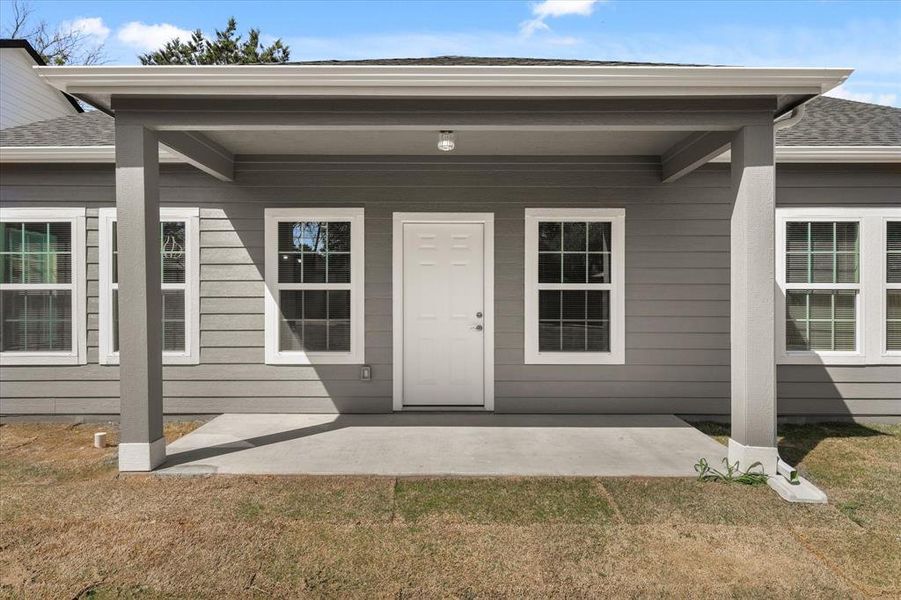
{"type": "Point", "coordinates": [142, 446]}
{"type": "Point", "coordinates": [752, 338]}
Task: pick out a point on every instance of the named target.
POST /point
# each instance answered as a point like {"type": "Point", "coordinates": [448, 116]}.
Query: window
{"type": "Point", "coordinates": [314, 286]}
{"type": "Point", "coordinates": [893, 288]}
{"type": "Point", "coordinates": [180, 283]}
{"type": "Point", "coordinates": [42, 286]}
{"type": "Point", "coordinates": [574, 286]}
{"type": "Point", "coordinates": [832, 284]}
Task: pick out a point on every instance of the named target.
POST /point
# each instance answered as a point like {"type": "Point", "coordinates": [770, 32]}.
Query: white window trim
{"type": "Point", "coordinates": [191, 217]}
{"type": "Point", "coordinates": [356, 355]}
{"type": "Point", "coordinates": [78, 354]}
{"type": "Point", "coordinates": [617, 287]}
{"type": "Point", "coordinates": [871, 334]}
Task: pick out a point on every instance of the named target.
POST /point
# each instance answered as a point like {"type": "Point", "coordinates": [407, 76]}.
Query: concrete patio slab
{"type": "Point", "coordinates": [442, 444]}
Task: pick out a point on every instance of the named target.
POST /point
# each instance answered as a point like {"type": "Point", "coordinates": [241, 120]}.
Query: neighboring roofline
{"type": "Point", "coordinates": [69, 154]}
{"type": "Point", "coordinates": [784, 154]}
{"type": "Point", "coordinates": [831, 154]}
{"type": "Point", "coordinates": [96, 84]}
{"type": "Point", "coordinates": [39, 60]}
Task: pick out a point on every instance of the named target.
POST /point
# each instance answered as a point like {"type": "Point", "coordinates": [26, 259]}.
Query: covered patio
{"type": "Point", "coordinates": [217, 117]}
{"type": "Point", "coordinates": [455, 444]}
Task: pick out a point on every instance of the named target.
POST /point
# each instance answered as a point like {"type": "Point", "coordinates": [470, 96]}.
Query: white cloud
{"type": "Point", "coordinates": [553, 9]}
{"type": "Point", "coordinates": [889, 99]}
{"type": "Point", "coordinates": [144, 38]}
{"type": "Point", "coordinates": [90, 26]}
{"type": "Point", "coordinates": [560, 8]}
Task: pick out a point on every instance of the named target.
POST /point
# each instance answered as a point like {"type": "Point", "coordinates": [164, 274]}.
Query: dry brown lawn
{"type": "Point", "coordinates": [71, 527]}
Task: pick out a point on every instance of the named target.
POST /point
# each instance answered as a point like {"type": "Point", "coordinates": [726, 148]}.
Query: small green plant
{"type": "Point", "coordinates": [731, 473]}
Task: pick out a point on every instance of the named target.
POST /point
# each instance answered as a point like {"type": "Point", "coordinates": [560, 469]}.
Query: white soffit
{"type": "Point", "coordinates": [99, 83]}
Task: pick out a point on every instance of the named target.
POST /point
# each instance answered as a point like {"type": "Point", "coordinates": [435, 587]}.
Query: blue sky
{"type": "Point", "coordinates": [859, 34]}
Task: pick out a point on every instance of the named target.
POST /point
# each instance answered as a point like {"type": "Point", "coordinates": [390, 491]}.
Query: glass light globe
{"type": "Point", "coordinates": [446, 141]}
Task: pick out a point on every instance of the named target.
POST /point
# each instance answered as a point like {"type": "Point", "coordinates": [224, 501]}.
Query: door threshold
{"type": "Point", "coordinates": [443, 408]}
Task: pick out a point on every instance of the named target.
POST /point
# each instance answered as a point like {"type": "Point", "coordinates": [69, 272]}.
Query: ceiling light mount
{"type": "Point", "coordinates": [446, 140]}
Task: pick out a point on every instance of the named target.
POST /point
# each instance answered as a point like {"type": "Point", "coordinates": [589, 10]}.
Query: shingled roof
{"type": "Point", "coordinates": [836, 122]}
{"type": "Point", "coordinates": [90, 128]}
{"type": "Point", "coordinates": [489, 61]}
{"type": "Point", "coordinates": [826, 122]}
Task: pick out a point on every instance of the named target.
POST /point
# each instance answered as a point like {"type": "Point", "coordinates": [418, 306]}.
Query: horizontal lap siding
{"type": "Point", "coordinates": [839, 390]}
{"type": "Point", "coordinates": [677, 291]}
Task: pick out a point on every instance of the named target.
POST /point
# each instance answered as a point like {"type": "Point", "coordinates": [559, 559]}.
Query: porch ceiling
{"type": "Point", "coordinates": [468, 142]}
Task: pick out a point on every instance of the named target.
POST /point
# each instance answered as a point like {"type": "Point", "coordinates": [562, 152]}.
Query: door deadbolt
{"type": "Point", "coordinates": [478, 315]}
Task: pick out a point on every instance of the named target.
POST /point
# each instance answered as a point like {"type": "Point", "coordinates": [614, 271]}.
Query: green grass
{"type": "Point", "coordinates": [71, 527]}
{"type": "Point", "coordinates": [503, 501]}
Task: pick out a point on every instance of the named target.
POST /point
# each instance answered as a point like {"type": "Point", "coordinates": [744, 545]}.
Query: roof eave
{"type": "Point", "coordinates": [98, 83]}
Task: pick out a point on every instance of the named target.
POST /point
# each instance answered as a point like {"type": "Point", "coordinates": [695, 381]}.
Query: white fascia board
{"type": "Point", "coordinates": [69, 154]}
{"type": "Point", "coordinates": [830, 154]}
{"type": "Point", "coordinates": [101, 82]}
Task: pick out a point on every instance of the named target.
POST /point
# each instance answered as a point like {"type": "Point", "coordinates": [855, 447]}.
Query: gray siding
{"type": "Point", "coordinates": [677, 285]}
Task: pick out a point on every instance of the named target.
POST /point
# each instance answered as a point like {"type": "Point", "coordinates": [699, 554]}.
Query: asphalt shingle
{"type": "Point", "coordinates": [90, 128]}
{"type": "Point", "coordinates": [837, 122]}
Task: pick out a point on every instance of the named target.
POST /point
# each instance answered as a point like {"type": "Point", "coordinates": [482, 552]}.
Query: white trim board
{"type": "Point", "coordinates": [191, 217]}
{"type": "Point", "coordinates": [397, 294]}
{"type": "Point", "coordinates": [357, 286]}
{"type": "Point", "coordinates": [78, 286]}
{"type": "Point", "coordinates": [829, 154]}
{"type": "Point", "coordinates": [70, 154]}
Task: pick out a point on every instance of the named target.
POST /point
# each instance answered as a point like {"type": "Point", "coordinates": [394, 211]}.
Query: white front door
{"type": "Point", "coordinates": [444, 314]}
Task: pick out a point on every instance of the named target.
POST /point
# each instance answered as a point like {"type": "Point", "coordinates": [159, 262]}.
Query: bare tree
{"type": "Point", "coordinates": [57, 45]}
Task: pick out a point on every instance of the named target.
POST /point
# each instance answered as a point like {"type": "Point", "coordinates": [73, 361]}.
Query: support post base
{"type": "Point", "coordinates": [803, 491]}
{"type": "Point", "coordinates": [142, 456]}
{"type": "Point", "coordinates": [748, 455]}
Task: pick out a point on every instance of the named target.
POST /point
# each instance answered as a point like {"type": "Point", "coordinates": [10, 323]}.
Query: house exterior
{"type": "Point", "coordinates": [602, 238]}
{"type": "Point", "coordinates": [24, 97]}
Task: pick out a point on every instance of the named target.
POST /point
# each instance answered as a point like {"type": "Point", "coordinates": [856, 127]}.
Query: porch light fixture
{"type": "Point", "coordinates": [446, 141]}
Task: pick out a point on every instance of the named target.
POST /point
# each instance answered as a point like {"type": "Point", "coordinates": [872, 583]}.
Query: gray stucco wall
{"type": "Point", "coordinates": [677, 285]}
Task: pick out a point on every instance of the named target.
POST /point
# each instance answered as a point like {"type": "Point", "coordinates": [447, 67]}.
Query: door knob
{"type": "Point", "coordinates": [478, 327]}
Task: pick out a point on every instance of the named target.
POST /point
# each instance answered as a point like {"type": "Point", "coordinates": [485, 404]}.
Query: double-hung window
{"type": "Point", "coordinates": [314, 286]}
{"type": "Point", "coordinates": [42, 286]}
{"type": "Point", "coordinates": [180, 283]}
{"type": "Point", "coordinates": [574, 286]}
{"type": "Point", "coordinates": [835, 269]}
{"type": "Point", "coordinates": [892, 278]}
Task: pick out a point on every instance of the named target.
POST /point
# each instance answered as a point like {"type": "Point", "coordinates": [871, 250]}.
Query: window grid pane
{"type": "Point", "coordinates": [893, 252]}
{"type": "Point", "coordinates": [36, 321]}
{"type": "Point", "coordinates": [574, 252]}
{"type": "Point", "coordinates": [822, 320]}
{"type": "Point", "coordinates": [314, 252]}
{"type": "Point", "coordinates": [172, 311]}
{"type": "Point", "coordinates": [314, 320]}
{"type": "Point", "coordinates": [173, 251]}
{"type": "Point", "coordinates": [574, 321]}
{"type": "Point", "coordinates": [822, 252]}
{"type": "Point", "coordinates": [36, 252]}
{"type": "Point", "coordinates": [893, 320]}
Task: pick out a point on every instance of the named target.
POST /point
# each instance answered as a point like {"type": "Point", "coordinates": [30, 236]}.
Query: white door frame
{"type": "Point", "coordinates": [397, 262]}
